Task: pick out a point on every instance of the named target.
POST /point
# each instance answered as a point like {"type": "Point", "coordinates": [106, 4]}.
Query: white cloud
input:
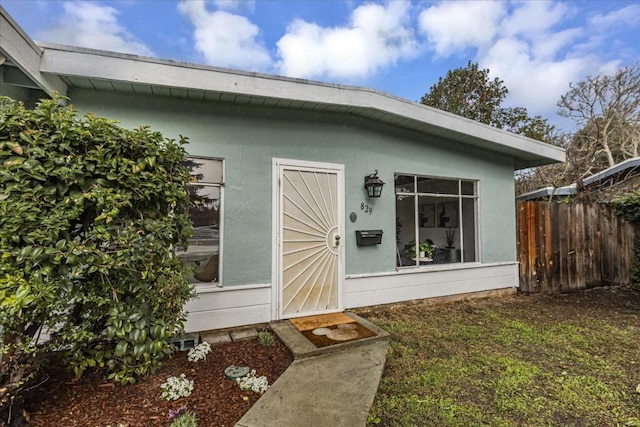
{"type": "Point", "coordinates": [610, 68]}
{"type": "Point", "coordinates": [528, 44]}
{"type": "Point", "coordinates": [533, 19]}
{"type": "Point", "coordinates": [532, 56]}
{"type": "Point", "coordinates": [550, 44]}
{"type": "Point", "coordinates": [533, 82]}
{"type": "Point", "coordinates": [605, 31]}
{"type": "Point", "coordinates": [226, 39]}
{"type": "Point", "coordinates": [93, 25]}
{"type": "Point", "coordinates": [377, 36]}
{"type": "Point", "coordinates": [451, 27]}
{"type": "Point", "coordinates": [628, 15]}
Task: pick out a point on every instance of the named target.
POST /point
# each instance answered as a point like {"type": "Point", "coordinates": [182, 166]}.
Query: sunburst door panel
{"type": "Point", "coordinates": [310, 242]}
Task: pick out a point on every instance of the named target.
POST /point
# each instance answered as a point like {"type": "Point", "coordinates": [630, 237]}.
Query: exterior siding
{"type": "Point", "coordinates": [249, 137]}
{"type": "Point", "coordinates": [243, 305]}
{"type": "Point", "coordinates": [225, 308]}
{"type": "Point", "coordinates": [390, 288]}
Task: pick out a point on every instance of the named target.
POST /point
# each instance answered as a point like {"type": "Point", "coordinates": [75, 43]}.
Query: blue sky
{"type": "Point", "coordinates": [400, 47]}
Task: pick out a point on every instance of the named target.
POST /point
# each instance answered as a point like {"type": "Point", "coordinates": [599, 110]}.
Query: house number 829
{"type": "Point", "coordinates": [366, 208]}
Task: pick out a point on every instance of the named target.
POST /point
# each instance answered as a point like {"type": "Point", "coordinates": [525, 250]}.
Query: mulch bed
{"type": "Point", "coordinates": [93, 401]}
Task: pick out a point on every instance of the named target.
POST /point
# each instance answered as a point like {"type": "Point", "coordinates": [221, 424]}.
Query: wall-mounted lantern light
{"type": "Point", "coordinates": [373, 184]}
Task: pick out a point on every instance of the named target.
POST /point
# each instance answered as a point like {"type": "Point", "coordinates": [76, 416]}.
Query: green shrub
{"type": "Point", "coordinates": [628, 207]}
{"type": "Point", "coordinates": [90, 215]}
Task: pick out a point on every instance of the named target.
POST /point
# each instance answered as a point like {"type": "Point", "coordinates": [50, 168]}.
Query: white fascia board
{"type": "Point", "coordinates": [26, 55]}
{"type": "Point", "coordinates": [571, 189]}
{"type": "Point", "coordinates": [626, 164]}
{"type": "Point", "coordinates": [536, 194]}
{"type": "Point", "coordinates": [95, 64]}
{"type": "Point", "coordinates": [568, 190]}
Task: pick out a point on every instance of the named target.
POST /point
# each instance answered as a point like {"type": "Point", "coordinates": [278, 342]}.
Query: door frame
{"type": "Point", "coordinates": [278, 166]}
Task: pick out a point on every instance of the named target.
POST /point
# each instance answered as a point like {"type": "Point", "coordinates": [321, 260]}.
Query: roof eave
{"type": "Point", "coordinates": [21, 51]}
{"type": "Point", "coordinates": [117, 67]}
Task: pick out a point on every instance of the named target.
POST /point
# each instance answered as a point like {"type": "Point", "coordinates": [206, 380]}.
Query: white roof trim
{"type": "Point", "coordinates": [569, 190]}
{"type": "Point", "coordinates": [111, 66]}
{"type": "Point", "coordinates": [25, 54]}
{"type": "Point", "coordinates": [603, 174]}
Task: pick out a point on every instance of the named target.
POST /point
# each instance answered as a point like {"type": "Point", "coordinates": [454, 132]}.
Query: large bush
{"type": "Point", "coordinates": [90, 214]}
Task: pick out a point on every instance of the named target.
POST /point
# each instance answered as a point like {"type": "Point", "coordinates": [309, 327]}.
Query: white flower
{"type": "Point", "coordinates": [199, 352]}
{"type": "Point", "coordinates": [176, 387]}
{"type": "Point", "coordinates": [253, 383]}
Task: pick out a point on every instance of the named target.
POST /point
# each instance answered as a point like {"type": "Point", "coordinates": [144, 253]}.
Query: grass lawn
{"type": "Point", "coordinates": [521, 360]}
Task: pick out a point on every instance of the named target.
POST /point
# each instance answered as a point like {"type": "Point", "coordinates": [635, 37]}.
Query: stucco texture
{"type": "Point", "coordinates": [248, 138]}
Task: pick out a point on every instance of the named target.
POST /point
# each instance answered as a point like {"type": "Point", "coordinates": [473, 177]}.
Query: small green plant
{"type": "Point", "coordinates": [265, 338]}
{"type": "Point", "coordinates": [425, 247]}
{"type": "Point", "coordinates": [176, 387]}
{"type": "Point", "coordinates": [373, 419]}
{"type": "Point", "coordinates": [566, 200]}
{"type": "Point", "coordinates": [183, 417]}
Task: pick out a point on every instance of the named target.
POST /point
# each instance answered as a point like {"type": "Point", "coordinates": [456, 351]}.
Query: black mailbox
{"type": "Point", "coordinates": [368, 237]}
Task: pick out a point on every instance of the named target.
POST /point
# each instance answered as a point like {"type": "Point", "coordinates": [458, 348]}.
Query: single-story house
{"type": "Point", "coordinates": [601, 187]}
{"type": "Point", "coordinates": [287, 227]}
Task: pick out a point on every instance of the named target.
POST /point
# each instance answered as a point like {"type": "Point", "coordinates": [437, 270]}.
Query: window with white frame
{"type": "Point", "coordinates": [436, 220]}
{"type": "Point", "coordinates": [205, 195]}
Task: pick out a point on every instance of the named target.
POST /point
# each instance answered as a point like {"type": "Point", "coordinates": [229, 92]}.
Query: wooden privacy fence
{"type": "Point", "coordinates": [564, 247]}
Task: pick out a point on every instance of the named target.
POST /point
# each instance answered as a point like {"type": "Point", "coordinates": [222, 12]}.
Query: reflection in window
{"type": "Point", "coordinates": [435, 220]}
{"type": "Point", "coordinates": [203, 252]}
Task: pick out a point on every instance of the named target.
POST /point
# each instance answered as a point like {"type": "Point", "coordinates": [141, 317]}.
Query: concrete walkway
{"type": "Point", "coordinates": [333, 386]}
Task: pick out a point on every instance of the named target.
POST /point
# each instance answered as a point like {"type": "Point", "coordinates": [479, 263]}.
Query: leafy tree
{"type": "Point", "coordinates": [606, 109]}
{"type": "Point", "coordinates": [470, 93]}
{"type": "Point", "coordinates": [517, 120]}
{"type": "Point", "coordinates": [90, 214]}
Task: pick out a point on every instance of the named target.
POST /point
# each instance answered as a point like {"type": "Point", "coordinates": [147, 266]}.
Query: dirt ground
{"type": "Point", "coordinates": [95, 402]}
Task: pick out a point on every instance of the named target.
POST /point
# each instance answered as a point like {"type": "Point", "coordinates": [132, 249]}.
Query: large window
{"type": "Point", "coordinates": [436, 220]}
{"type": "Point", "coordinates": [205, 194]}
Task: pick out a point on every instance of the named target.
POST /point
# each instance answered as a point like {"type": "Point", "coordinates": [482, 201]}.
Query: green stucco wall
{"type": "Point", "coordinates": [248, 138]}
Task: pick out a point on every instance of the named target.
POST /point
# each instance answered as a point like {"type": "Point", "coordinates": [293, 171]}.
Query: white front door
{"type": "Point", "coordinates": [309, 239]}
